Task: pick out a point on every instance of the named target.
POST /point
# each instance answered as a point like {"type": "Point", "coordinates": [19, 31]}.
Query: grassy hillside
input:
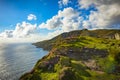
{"type": "Point", "coordinates": [104, 34]}
{"type": "Point", "coordinates": [79, 55]}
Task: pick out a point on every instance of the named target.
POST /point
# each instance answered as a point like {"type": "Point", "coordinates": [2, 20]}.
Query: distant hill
{"type": "Point", "coordinates": [102, 33]}
{"type": "Point", "coordinates": [79, 55]}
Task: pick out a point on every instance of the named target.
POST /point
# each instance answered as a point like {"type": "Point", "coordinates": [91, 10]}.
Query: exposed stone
{"type": "Point", "coordinates": [117, 36]}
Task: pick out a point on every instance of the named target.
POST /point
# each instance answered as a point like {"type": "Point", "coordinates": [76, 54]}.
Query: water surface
{"type": "Point", "coordinates": [16, 59]}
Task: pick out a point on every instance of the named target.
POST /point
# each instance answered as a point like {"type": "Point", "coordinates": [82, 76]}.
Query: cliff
{"type": "Point", "coordinates": [79, 55]}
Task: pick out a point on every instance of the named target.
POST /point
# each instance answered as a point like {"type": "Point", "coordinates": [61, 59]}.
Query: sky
{"type": "Point", "coordinates": [37, 20]}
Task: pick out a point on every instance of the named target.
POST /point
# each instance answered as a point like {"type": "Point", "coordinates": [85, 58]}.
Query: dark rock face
{"type": "Point", "coordinates": [82, 53]}
{"type": "Point", "coordinates": [67, 74]}
{"type": "Point", "coordinates": [49, 64]}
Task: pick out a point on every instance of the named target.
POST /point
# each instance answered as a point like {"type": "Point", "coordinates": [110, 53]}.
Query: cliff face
{"type": "Point", "coordinates": [79, 55]}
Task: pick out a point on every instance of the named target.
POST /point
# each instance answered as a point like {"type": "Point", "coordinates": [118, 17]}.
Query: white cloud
{"type": "Point", "coordinates": [6, 34]}
{"type": "Point", "coordinates": [53, 34]}
{"type": "Point", "coordinates": [31, 17]}
{"type": "Point", "coordinates": [22, 30]}
{"type": "Point", "coordinates": [86, 24]}
{"type": "Point", "coordinates": [107, 14]}
{"type": "Point", "coordinates": [63, 2]}
{"type": "Point", "coordinates": [66, 20]}
{"type": "Point", "coordinates": [85, 3]}
{"type": "Point", "coordinates": [34, 38]}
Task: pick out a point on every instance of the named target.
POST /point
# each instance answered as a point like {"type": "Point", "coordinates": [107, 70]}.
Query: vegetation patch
{"type": "Point", "coordinates": [79, 55]}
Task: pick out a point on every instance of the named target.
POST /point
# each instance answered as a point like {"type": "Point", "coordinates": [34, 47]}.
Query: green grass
{"type": "Point", "coordinates": [49, 76]}
{"type": "Point", "coordinates": [75, 67]}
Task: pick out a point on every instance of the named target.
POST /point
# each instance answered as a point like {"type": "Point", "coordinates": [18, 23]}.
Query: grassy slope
{"type": "Point", "coordinates": [71, 59]}
{"type": "Point", "coordinates": [109, 34]}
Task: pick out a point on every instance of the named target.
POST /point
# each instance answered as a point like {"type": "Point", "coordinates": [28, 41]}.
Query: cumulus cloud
{"type": "Point", "coordinates": [106, 16]}
{"type": "Point", "coordinates": [63, 2]}
{"type": "Point", "coordinates": [6, 34]}
{"type": "Point", "coordinates": [22, 30]}
{"type": "Point", "coordinates": [31, 17]}
{"type": "Point", "coordinates": [86, 24]}
{"type": "Point", "coordinates": [54, 33]}
{"type": "Point", "coordinates": [66, 20]}
{"type": "Point", "coordinates": [34, 38]}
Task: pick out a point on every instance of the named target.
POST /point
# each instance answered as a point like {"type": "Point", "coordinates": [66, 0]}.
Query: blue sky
{"type": "Point", "coordinates": [51, 18]}
{"type": "Point", "coordinates": [14, 11]}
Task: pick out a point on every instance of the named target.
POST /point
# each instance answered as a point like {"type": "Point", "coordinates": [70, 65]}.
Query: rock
{"type": "Point", "coordinates": [117, 36]}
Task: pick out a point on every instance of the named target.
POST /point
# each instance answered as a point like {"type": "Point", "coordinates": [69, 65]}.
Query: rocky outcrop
{"type": "Point", "coordinates": [81, 53]}
{"type": "Point", "coordinates": [117, 36]}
